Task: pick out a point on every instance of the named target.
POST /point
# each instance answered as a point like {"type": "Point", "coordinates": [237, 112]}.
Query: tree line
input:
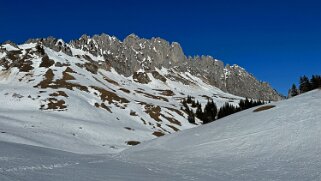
{"type": "Point", "coordinates": [305, 85]}
{"type": "Point", "coordinates": [210, 112]}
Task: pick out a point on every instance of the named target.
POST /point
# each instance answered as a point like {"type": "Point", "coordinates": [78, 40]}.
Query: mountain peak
{"type": "Point", "coordinates": [136, 53]}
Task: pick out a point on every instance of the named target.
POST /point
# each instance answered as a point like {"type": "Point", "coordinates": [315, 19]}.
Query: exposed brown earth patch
{"type": "Point", "coordinates": [105, 107]}
{"type": "Point", "coordinates": [48, 78]}
{"type": "Point", "coordinates": [152, 96]}
{"type": "Point", "coordinates": [158, 133]}
{"type": "Point", "coordinates": [111, 81]}
{"type": "Point", "coordinates": [60, 83]}
{"type": "Point", "coordinates": [91, 67]}
{"type": "Point", "coordinates": [165, 92]}
{"type": "Point", "coordinates": [69, 70]}
{"type": "Point", "coordinates": [59, 64]}
{"type": "Point", "coordinates": [14, 55]}
{"type": "Point", "coordinates": [59, 93]}
{"type": "Point", "coordinates": [174, 128]}
{"type": "Point", "coordinates": [141, 77]}
{"type": "Point", "coordinates": [132, 143]}
{"type": "Point", "coordinates": [175, 110]}
{"type": "Point", "coordinates": [46, 62]}
{"type": "Point", "coordinates": [160, 126]}
{"type": "Point", "coordinates": [172, 120]}
{"type": "Point", "coordinates": [54, 104]}
{"type": "Point", "coordinates": [26, 66]}
{"type": "Point", "coordinates": [108, 96]}
{"type": "Point", "coordinates": [22, 62]}
{"type": "Point", "coordinates": [153, 111]}
{"type": "Point", "coordinates": [23, 65]}
{"type": "Point", "coordinates": [67, 76]}
{"type": "Point", "coordinates": [102, 105]}
{"type": "Point", "coordinates": [263, 108]}
{"type": "Point", "coordinates": [125, 90]}
{"type": "Point", "coordinates": [158, 76]}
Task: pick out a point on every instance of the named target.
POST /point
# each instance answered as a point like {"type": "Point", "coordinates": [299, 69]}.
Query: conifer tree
{"type": "Point", "coordinates": [193, 104]}
{"type": "Point", "coordinates": [199, 112]}
{"type": "Point", "coordinates": [189, 99]}
{"type": "Point", "coordinates": [210, 112]}
{"type": "Point", "coordinates": [191, 117]}
{"type": "Point", "coordinates": [226, 110]}
{"type": "Point", "coordinates": [293, 91]}
{"type": "Point", "coordinates": [315, 81]}
{"type": "Point", "coordinates": [305, 84]}
{"type": "Point", "coordinates": [246, 103]}
{"type": "Point", "coordinates": [242, 104]}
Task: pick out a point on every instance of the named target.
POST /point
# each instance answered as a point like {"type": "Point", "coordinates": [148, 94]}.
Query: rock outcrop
{"type": "Point", "coordinates": [135, 54]}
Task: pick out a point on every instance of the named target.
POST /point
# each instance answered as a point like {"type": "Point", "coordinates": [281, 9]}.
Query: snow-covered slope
{"type": "Point", "coordinates": [281, 143]}
{"type": "Point", "coordinates": [20, 162]}
{"type": "Point", "coordinates": [80, 104]}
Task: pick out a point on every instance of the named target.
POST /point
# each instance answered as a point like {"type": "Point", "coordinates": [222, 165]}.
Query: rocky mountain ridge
{"type": "Point", "coordinates": [135, 54]}
{"type": "Point", "coordinates": [104, 95]}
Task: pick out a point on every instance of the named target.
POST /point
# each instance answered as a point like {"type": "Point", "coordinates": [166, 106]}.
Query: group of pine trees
{"type": "Point", "coordinates": [228, 109]}
{"type": "Point", "coordinates": [190, 112]}
{"type": "Point", "coordinates": [211, 112]}
{"type": "Point", "coordinates": [305, 85]}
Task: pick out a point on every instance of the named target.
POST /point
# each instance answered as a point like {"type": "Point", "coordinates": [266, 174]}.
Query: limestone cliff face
{"type": "Point", "coordinates": [134, 54]}
{"type": "Point", "coordinates": [240, 82]}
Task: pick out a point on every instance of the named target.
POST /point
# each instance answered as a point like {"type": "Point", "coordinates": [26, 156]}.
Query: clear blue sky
{"type": "Point", "coordinates": [275, 40]}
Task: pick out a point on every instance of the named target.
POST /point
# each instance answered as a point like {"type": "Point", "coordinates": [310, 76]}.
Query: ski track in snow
{"type": "Point", "coordinates": [37, 167]}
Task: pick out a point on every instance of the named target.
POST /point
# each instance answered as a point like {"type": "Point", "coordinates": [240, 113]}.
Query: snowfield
{"type": "Point", "coordinates": [281, 143]}
{"type": "Point", "coordinates": [53, 100]}
{"type": "Point", "coordinates": [20, 162]}
{"type": "Point", "coordinates": [72, 116]}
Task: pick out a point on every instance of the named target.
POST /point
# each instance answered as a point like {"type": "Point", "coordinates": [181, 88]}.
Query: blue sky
{"type": "Point", "coordinates": [277, 41]}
